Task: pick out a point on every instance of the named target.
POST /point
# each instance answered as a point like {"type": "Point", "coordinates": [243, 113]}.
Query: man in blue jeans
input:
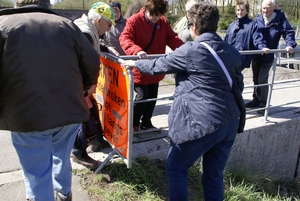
{"type": "Point", "coordinates": [46, 65]}
{"type": "Point", "coordinates": [272, 24]}
{"type": "Point", "coordinates": [203, 119]}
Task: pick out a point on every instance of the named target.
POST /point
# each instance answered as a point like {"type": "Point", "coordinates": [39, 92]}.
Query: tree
{"type": "Point", "coordinates": [6, 3]}
{"type": "Point", "coordinates": [227, 17]}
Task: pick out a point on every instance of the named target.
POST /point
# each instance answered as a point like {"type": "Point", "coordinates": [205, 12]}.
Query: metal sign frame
{"type": "Point", "coordinates": [127, 160]}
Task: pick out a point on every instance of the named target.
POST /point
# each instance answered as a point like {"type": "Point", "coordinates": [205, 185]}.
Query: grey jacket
{"type": "Point", "coordinates": [46, 64]}
{"type": "Point", "coordinates": [204, 101]}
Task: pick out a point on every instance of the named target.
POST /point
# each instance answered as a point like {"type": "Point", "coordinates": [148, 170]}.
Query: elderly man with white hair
{"type": "Point", "coordinates": [99, 20]}
{"type": "Point", "coordinates": [273, 24]}
{"type": "Point", "coordinates": [181, 27]}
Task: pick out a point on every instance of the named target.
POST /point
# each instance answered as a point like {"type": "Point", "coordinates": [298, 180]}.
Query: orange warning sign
{"type": "Point", "coordinates": [112, 93]}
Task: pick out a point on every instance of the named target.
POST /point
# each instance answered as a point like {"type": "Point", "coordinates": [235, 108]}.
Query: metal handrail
{"type": "Point", "coordinates": [248, 52]}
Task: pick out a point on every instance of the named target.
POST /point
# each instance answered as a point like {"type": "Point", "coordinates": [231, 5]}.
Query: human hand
{"type": "Point", "coordinates": [142, 55]}
{"type": "Point", "coordinates": [128, 64]}
{"type": "Point", "coordinates": [113, 51]}
{"type": "Point", "coordinates": [289, 49]}
{"type": "Point", "coordinates": [92, 90]}
{"type": "Point", "coordinates": [266, 50]}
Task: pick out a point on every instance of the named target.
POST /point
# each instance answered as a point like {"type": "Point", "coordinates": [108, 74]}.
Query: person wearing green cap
{"type": "Point", "coordinates": [111, 38]}
{"type": "Point", "coordinates": [99, 20]}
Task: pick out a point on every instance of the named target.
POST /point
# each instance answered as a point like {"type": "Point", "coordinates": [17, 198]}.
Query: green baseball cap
{"type": "Point", "coordinates": [104, 10]}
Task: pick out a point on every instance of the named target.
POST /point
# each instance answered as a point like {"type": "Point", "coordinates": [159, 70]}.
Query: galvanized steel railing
{"type": "Point", "coordinates": [249, 52]}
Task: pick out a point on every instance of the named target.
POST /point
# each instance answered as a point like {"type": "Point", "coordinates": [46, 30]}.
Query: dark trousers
{"type": "Point", "coordinates": [260, 76]}
{"type": "Point", "coordinates": [144, 110]}
{"type": "Point", "coordinates": [88, 132]}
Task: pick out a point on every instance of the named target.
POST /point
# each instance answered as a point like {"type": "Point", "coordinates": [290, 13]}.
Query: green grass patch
{"type": "Point", "coordinates": [148, 181]}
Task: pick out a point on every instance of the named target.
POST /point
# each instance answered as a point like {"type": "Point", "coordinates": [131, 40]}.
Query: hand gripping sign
{"type": "Point", "coordinates": [112, 93]}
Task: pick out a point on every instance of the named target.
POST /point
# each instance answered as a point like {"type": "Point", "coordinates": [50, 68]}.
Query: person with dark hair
{"type": "Point", "coordinates": [273, 24]}
{"type": "Point", "coordinates": [100, 19]}
{"type": "Point", "coordinates": [243, 34]}
{"type": "Point", "coordinates": [147, 32]}
{"type": "Point", "coordinates": [111, 38]}
{"type": "Point", "coordinates": [47, 65]}
{"type": "Point", "coordinates": [204, 117]}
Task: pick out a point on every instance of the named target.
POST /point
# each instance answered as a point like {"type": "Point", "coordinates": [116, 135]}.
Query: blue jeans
{"type": "Point", "coordinates": [215, 149]}
{"type": "Point", "coordinates": [45, 160]}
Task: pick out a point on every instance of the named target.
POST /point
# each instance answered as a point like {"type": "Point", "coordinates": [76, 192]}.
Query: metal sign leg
{"type": "Point", "coordinates": [106, 160]}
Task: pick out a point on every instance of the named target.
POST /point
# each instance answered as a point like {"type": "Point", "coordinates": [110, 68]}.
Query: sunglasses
{"type": "Point", "coordinates": [189, 24]}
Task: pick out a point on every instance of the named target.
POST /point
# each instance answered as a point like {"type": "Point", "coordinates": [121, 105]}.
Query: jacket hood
{"type": "Point", "coordinates": [26, 9]}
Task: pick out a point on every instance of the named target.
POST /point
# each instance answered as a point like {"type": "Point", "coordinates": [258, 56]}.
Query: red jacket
{"type": "Point", "coordinates": [137, 35]}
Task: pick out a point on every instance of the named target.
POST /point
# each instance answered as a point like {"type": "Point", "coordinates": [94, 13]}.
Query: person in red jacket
{"type": "Point", "coordinates": [147, 32]}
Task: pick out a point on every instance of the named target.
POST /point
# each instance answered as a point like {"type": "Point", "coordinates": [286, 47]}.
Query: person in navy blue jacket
{"type": "Point", "coordinates": [204, 117]}
{"type": "Point", "coordinates": [243, 34]}
{"type": "Point", "coordinates": [273, 24]}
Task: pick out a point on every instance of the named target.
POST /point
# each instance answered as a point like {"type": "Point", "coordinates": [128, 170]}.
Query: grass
{"type": "Point", "coordinates": [148, 181]}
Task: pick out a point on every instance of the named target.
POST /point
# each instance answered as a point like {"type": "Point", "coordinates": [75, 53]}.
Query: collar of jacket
{"type": "Point", "coordinates": [208, 36]}
{"type": "Point", "coordinates": [241, 20]}
{"type": "Point", "coordinates": [26, 9]}
{"type": "Point", "coordinates": [121, 19]}
{"type": "Point", "coordinates": [148, 21]}
{"type": "Point", "coordinates": [275, 21]}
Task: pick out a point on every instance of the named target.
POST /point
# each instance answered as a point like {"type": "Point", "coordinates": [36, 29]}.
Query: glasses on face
{"type": "Point", "coordinates": [189, 24]}
{"type": "Point", "coordinates": [108, 22]}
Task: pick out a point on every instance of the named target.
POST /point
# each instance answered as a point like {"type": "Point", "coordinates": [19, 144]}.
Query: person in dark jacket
{"type": "Point", "coordinates": [46, 66]}
{"type": "Point", "coordinates": [99, 20]}
{"type": "Point", "coordinates": [272, 24]}
{"type": "Point", "coordinates": [136, 39]}
{"type": "Point", "coordinates": [243, 34]}
{"type": "Point", "coordinates": [111, 38]}
{"type": "Point", "coordinates": [204, 117]}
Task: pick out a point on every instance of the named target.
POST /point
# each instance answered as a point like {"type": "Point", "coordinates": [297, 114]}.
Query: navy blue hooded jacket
{"type": "Point", "coordinates": [272, 32]}
{"type": "Point", "coordinates": [203, 100]}
{"type": "Point", "coordinates": [243, 34]}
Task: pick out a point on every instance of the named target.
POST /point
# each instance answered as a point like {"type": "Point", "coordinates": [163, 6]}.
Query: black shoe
{"type": "Point", "coordinates": [253, 103]}
{"type": "Point", "coordinates": [261, 111]}
{"type": "Point", "coordinates": [261, 105]}
{"type": "Point", "coordinates": [96, 146]}
{"type": "Point", "coordinates": [87, 162]}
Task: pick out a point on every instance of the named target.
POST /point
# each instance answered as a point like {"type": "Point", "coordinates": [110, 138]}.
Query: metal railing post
{"type": "Point", "coordinates": [270, 87]}
{"type": "Point", "coordinates": [130, 116]}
